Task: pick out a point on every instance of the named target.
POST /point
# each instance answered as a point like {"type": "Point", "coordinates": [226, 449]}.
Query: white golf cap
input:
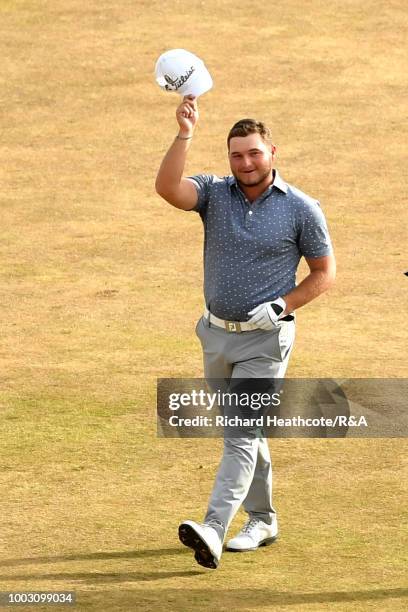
{"type": "Point", "coordinates": [181, 71]}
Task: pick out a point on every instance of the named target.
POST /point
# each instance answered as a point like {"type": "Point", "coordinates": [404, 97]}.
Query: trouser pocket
{"type": "Point", "coordinates": [286, 338]}
{"type": "Point", "coordinates": [277, 343]}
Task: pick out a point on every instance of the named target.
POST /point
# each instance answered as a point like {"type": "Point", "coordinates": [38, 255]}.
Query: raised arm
{"type": "Point", "coordinates": [170, 184]}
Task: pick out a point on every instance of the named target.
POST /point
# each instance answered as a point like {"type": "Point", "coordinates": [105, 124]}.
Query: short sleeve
{"type": "Point", "coordinates": [313, 234]}
{"type": "Point", "coordinates": [203, 183]}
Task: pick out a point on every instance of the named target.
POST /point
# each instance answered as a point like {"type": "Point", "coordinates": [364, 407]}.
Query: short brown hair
{"type": "Point", "coordinates": [244, 127]}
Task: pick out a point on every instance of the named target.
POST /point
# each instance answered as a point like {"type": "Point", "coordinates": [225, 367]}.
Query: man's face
{"type": "Point", "coordinates": [251, 159]}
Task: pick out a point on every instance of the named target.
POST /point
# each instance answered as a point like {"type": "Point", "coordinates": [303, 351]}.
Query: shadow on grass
{"type": "Point", "coordinates": [206, 599]}
{"type": "Point", "coordinates": [97, 577]}
{"type": "Point", "coordinates": [127, 554]}
{"type": "Point", "coordinates": [237, 598]}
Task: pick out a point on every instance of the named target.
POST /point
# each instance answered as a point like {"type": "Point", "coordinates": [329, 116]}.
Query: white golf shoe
{"type": "Point", "coordinates": [204, 540]}
{"type": "Point", "coordinates": [254, 533]}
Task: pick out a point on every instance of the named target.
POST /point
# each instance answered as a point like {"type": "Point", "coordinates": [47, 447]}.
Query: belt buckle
{"type": "Point", "coordinates": [233, 326]}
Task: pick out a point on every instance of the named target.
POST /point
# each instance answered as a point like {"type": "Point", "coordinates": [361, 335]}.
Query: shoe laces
{"type": "Point", "coordinates": [250, 524]}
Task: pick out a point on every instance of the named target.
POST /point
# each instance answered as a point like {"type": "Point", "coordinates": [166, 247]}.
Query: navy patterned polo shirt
{"type": "Point", "coordinates": [252, 250]}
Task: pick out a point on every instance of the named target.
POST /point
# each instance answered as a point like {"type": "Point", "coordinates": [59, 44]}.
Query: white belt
{"type": "Point", "coordinates": [229, 326]}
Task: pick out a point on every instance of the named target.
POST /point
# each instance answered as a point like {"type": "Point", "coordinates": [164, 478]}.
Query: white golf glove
{"type": "Point", "coordinates": [267, 315]}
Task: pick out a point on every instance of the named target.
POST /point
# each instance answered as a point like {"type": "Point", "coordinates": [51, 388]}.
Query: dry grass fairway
{"type": "Point", "coordinates": [101, 286]}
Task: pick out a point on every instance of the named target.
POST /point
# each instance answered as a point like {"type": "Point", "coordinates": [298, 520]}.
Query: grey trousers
{"type": "Point", "coordinates": [245, 472]}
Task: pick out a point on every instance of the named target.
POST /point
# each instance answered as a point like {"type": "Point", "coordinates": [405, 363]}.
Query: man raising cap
{"type": "Point", "coordinates": [257, 228]}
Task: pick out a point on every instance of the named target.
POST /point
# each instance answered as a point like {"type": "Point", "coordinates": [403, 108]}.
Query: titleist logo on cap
{"type": "Point", "coordinates": [174, 85]}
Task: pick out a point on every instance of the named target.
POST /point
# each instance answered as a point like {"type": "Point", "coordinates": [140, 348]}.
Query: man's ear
{"type": "Point", "coordinates": [273, 151]}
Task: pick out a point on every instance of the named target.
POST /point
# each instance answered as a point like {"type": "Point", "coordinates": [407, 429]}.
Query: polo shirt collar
{"type": "Point", "coordinates": [278, 182]}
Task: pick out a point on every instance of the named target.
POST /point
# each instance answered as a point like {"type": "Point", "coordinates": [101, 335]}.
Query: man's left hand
{"type": "Point", "coordinates": [267, 315]}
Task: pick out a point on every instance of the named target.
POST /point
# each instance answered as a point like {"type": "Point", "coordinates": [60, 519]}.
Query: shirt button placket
{"type": "Point", "coordinates": [248, 218]}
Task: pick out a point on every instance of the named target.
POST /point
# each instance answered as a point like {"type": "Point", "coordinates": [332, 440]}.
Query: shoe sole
{"type": "Point", "coordinates": [203, 555]}
{"type": "Point", "coordinates": [266, 542]}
